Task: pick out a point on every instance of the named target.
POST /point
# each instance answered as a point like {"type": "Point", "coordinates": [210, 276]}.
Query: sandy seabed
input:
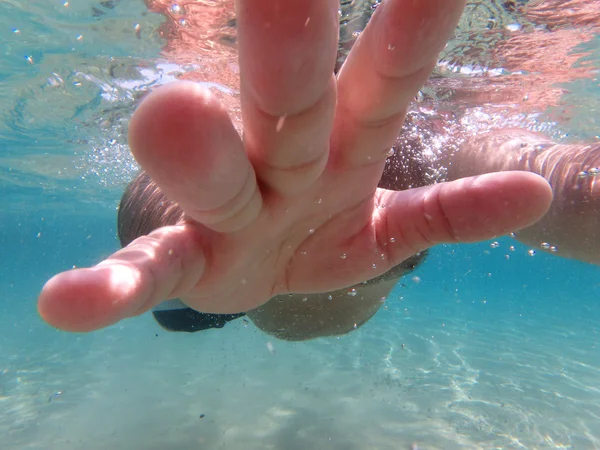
{"type": "Point", "coordinates": [414, 376]}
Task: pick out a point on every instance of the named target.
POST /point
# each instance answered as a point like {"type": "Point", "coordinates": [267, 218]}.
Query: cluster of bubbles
{"type": "Point", "coordinates": [531, 252]}
{"type": "Point", "coordinates": [593, 172]}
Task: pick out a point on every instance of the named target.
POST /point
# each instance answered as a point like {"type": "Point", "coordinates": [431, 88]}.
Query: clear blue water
{"type": "Point", "coordinates": [473, 350]}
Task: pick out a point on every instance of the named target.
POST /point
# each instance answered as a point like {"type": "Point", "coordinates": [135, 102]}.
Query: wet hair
{"type": "Point", "coordinates": [143, 209]}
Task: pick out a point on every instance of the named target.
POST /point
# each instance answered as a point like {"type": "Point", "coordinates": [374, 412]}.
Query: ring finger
{"type": "Point", "coordinates": [390, 62]}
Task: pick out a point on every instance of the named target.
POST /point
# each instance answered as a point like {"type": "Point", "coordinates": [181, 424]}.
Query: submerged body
{"type": "Point", "coordinates": [278, 223]}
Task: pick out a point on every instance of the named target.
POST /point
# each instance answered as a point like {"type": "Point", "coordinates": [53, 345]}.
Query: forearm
{"type": "Point", "coordinates": [572, 224]}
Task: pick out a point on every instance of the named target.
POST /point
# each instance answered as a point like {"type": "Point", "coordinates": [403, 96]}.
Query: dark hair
{"type": "Point", "coordinates": [144, 208]}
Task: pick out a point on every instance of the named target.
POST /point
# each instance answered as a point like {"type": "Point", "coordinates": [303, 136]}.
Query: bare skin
{"type": "Point", "coordinates": [294, 206]}
{"type": "Point", "coordinates": [570, 226]}
{"type": "Point", "coordinates": [569, 229]}
{"type": "Point", "coordinates": [572, 223]}
{"type": "Point", "coordinates": [300, 316]}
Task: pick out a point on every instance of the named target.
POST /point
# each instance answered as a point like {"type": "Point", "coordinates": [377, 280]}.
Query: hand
{"type": "Point", "coordinates": [294, 207]}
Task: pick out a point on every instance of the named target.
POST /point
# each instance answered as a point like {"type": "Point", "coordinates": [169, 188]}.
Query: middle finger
{"type": "Point", "coordinates": [287, 52]}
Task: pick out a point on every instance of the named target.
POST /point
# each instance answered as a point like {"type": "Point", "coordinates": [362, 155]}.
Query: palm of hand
{"type": "Point", "coordinates": [295, 206]}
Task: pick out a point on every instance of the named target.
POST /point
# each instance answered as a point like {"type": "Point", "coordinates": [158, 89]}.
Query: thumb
{"type": "Point", "coordinates": [467, 210]}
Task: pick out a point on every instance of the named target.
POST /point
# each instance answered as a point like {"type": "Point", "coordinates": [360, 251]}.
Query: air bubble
{"type": "Point", "coordinates": [531, 252]}
{"type": "Point", "coordinates": [512, 248]}
{"type": "Point", "coordinates": [330, 297]}
{"type": "Point", "coordinates": [495, 244]}
{"type": "Point", "coordinates": [319, 201]}
{"type": "Point", "coordinates": [582, 174]}
{"type": "Point", "coordinates": [545, 245]}
{"type": "Point", "coordinates": [512, 235]}
{"type": "Point", "coordinates": [352, 292]}
{"type": "Point", "coordinates": [594, 171]}
{"type": "Point", "coordinates": [280, 123]}
{"type": "Point", "coordinates": [175, 8]}
{"type": "Point", "coordinates": [343, 256]}
{"type": "Point", "coordinates": [392, 239]}
{"type": "Point", "coordinates": [553, 249]}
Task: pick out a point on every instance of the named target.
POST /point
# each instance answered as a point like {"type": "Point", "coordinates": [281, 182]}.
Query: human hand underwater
{"type": "Point", "coordinates": [293, 207]}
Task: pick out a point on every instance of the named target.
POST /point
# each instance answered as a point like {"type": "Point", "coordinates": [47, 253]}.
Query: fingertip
{"type": "Point", "coordinates": [80, 301]}
{"type": "Point", "coordinates": [167, 115]}
{"type": "Point", "coordinates": [539, 185]}
{"type": "Point", "coordinates": [524, 192]}
{"type": "Point", "coordinates": [184, 139]}
{"type": "Point", "coordinates": [465, 210]}
{"type": "Point", "coordinates": [494, 204]}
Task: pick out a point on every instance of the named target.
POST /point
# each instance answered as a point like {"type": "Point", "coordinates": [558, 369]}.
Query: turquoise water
{"type": "Point", "coordinates": [473, 349]}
